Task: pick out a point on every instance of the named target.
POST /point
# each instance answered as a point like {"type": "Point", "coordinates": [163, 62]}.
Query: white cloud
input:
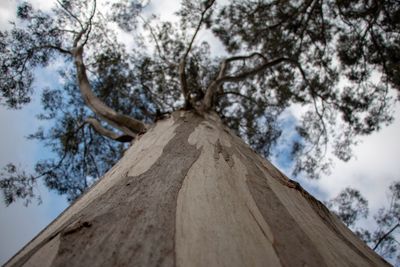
{"type": "Point", "coordinates": [7, 13]}
{"type": "Point", "coordinates": [164, 9]}
{"type": "Point", "coordinates": [43, 5]}
{"type": "Point", "coordinates": [374, 168]}
{"type": "Point", "coordinates": [8, 10]}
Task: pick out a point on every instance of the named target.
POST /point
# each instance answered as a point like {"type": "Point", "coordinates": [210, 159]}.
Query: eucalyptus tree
{"type": "Point", "coordinates": [187, 191]}
{"type": "Point", "coordinates": [350, 206]}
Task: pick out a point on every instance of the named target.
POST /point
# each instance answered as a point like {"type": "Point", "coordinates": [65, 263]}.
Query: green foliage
{"type": "Point", "coordinates": [23, 49]}
{"type": "Point", "coordinates": [16, 184]}
{"type": "Point", "coordinates": [322, 44]}
{"type": "Point", "coordinates": [350, 206]}
{"type": "Point", "coordinates": [356, 42]}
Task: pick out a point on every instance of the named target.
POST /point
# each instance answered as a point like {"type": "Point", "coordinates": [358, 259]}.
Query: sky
{"type": "Point", "coordinates": [375, 165]}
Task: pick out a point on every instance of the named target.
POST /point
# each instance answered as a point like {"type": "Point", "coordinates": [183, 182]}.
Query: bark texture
{"type": "Point", "coordinates": [190, 193]}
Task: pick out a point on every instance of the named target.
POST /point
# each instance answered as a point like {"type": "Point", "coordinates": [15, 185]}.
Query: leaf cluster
{"type": "Point", "coordinates": [333, 63]}
{"type": "Point", "coordinates": [350, 206]}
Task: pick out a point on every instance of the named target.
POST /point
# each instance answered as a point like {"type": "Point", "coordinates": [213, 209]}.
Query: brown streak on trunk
{"type": "Point", "coordinates": [132, 223]}
{"type": "Point", "coordinates": [190, 193]}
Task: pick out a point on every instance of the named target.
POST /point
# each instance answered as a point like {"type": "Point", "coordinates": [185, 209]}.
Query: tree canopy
{"type": "Point", "coordinates": [350, 206]}
{"type": "Point", "coordinates": [335, 62]}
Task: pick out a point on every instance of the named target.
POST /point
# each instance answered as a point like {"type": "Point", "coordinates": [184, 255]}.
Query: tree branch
{"type": "Point", "coordinates": [197, 29]}
{"type": "Point", "coordinates": [70, 13]}
{"type": "Point", "coordinates": [184, 85]}
{"type": "Point", "coordinates": [107, 133]}
{"type": "Point", "coordinates": [78, 38]}
{"type": "Point", "coordinates": [153, 35]}
{"type": "Point", "coordinates": [59, 49]}
{"type": "Point", "coordinates": [222, 78]}
{"type": "Point", "coordinates": [88, 28]}
{"type": "Point", "coordinates": [385, 236]}
{"type": "Point", "coordinates": [126, 124]}
{"type": "Point", "coordinates": [182, 63]}
{"type": "Point", "coordinates": [240, 95]}
{"type": "Point", "coordinates": [56, 166]}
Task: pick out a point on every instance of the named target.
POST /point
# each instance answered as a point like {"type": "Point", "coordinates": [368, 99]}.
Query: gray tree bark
{"type": "Point", "coordinates": [191, 193]}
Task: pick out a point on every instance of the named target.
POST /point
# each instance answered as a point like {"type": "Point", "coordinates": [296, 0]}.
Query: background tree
{"type": "Point", "coordinates": [350, 207]}
{"type": "Point", "coordinates": [279, 54]}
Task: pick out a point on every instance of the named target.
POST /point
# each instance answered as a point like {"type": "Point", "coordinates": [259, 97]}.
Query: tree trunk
{"type": "Point", "coordinates": [191, 193]}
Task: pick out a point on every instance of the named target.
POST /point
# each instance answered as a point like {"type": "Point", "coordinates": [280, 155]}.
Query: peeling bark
{"type": "Point", "coordinates": [190, 193]}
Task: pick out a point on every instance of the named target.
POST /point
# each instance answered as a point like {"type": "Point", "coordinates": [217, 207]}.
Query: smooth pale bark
{"type": "Point", "coordinates": [190, 193]}
{"type": "Point", "coordinates": [126, 124]}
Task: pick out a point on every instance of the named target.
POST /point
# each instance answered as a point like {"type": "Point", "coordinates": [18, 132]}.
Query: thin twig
{"type": "Point", "coordinates": [182, 64]}
{"type": "Point", "coordinates": [89, 25]}
{"type": "Point", "coordinates": [197, 29]}
{"type": "Point", "coordinates": [239, 94]}
{"type": "Point", "coordinates": [385, 236]}
{"type": "Point", "coordinates": [70, 13]}
{"type": "Point", "coordinates": [153, 35]}
{"type": "Point", "coordinates": [222, 78]}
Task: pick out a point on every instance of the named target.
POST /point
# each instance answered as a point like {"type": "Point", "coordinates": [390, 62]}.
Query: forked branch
{"type": "Point", "coordinates": [126, 124]}
{"type": "Point", "coordinates": [182, 63]}
{"type": "Point", "coordinates": [69, 13]}
{"type": "Point", "coordinates": [222, 77]}
{"type": "Point", "coordinates": [385, 236]}
{"type": "Point", "coordinates": [158, 47]}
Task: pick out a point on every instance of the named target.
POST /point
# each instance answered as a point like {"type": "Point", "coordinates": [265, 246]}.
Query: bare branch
{"type": "Point", "coordinates": [84, 30]}
{"type": "Point", "coordinates": [88, 28]}
{"type": "Point", "coordinates": [107, 133]}
{"type": "Point", "coordinates": [182, 63]}
{"type": "Point", "coordinates": [70, 14]}
{"type": "Point", "coordinates": [78, 38]}
{"type": "Point", "coordinates": [224, 65]}
{"type": "Point", "coordinates": [158, 102]}
{"type": "Point", "coordinates": [68, 30]}
{"type": "Point", "coordinates": [313, 94]}
{"type": "Point", "coordinates": [184, 85]}
{"type": "Point", "coordinates": [126, 124]}
{"type": "Point", "coordinates": [239, 94]}
{"type": "Point", "coordinates": [235, 58]}
{"type": "Point", "coordinates": [222, 78]}
{"type": "Point", "coordinates": [122, 122]}
{"type": "Point", "coordinates": [197, 29]}
{"type": "Point", "coordinates": [59, 49]}
{"type": "Point", "coordinates": [153, 35]}
{"type": "Point", "coordinates": [246, 74]}
{"type": "Point", "coordinates": [385, 236]}
{"type": "Point", "coordinates": [60, 161]}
